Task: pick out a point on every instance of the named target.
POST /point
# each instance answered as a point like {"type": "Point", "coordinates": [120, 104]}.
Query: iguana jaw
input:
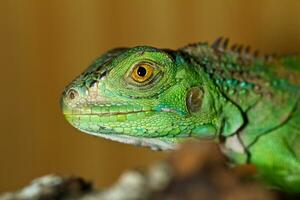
{"type": "Point", "coordinates": [99, 124]}
{"type": "Point", "coordinates": [154, 143]}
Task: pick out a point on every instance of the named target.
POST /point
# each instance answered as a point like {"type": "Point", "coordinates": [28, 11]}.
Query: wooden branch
{"type": "Point", "coordinates": [198, 171]}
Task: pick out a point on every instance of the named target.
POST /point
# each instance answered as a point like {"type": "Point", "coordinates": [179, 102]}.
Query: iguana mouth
{"type": "Point", "coordinates": [104, 109]}
{"type": "Point", "coordinates": [80, 112]}
{"type": "Point", "coordinates": [111, 113]}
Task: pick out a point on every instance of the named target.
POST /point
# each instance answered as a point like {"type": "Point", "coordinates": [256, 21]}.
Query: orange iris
{"type": "Point", "coordinates": [142, 72]}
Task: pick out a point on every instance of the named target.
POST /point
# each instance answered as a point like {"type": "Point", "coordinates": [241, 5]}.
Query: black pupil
{"type": "Point", "coordinates": [141, 71]}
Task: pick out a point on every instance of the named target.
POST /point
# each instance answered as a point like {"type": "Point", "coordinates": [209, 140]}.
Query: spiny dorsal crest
{"type": "Point", "coordinates": [221, 45]}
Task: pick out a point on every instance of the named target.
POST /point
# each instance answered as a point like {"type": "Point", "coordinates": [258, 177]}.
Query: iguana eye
{"type": "Point", "coordinates": [142, 72]}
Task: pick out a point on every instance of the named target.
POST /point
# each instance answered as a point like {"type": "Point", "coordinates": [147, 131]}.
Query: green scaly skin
{"type": "Point", "coordinates": [248, 104]}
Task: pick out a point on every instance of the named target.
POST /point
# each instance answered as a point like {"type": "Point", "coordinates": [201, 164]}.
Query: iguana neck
{"type": "Point", "coordinates": [230, 71]}
{"type": "Point", "coordinates": [251, 85]}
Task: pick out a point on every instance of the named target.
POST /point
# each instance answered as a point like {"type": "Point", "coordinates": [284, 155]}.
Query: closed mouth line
{"type": "Point", "coordinates": [112, 113]}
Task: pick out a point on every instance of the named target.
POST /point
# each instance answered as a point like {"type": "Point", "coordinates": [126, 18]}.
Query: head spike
{"type": "Point", "coordinates": [266, 57]}
{"type": "Point", "coordinates": [247, 49]}
{"type": "Point", "coordinates": [233, 47]}
{"type": "Point", "coordinates": [240, 49]}
{"type": "Point", "coordinates": [216, 44]}
{"type": "Point", "coordinates": [269, 58]}
{"type": "Point", "coordinates": [225, 43]}
{"type": "Point", "coordinates": [256, 53]}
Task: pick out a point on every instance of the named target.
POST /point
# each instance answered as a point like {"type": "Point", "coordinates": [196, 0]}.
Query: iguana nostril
{"type": "Point", "coordinates": [72, 94]}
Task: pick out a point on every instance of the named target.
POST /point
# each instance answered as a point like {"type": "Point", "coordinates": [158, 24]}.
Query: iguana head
{"type": "Point", "coordinates": [143, 96]}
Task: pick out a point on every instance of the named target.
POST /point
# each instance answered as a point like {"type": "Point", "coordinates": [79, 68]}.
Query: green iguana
{"type": "Point", "coordinates": [160, 97]}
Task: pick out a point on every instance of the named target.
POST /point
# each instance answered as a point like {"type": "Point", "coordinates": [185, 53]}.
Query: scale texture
{"type": "Point", "coordinates": [246, 103]}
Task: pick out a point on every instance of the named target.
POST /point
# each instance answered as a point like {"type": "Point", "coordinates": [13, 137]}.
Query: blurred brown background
{"type": "Point", "coordinates": [45, 44]}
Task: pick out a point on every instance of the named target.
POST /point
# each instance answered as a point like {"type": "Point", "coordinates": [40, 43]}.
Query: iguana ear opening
{"type": "Point", "coordinates": [232, 119]}
{"type": "Point", "coordinates": [194, 99]}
